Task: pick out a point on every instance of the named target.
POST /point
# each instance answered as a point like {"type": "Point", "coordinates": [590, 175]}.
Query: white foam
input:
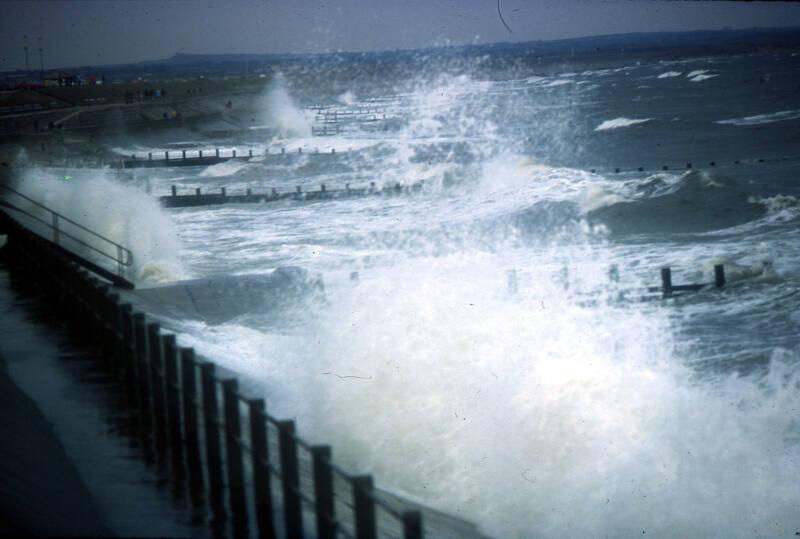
{"type": "Point", "coordinates": [700, 78]}
{"type": "Point", "coordinates": [122, 213]}
{"type": "Point", "coordinates": [669, 74]}
{"type": "Point", "coordinates": [280, 112]}
{"type": "Point", "coordinates": [758, 119]}
{"type": "Point", "coordinates": [595, 198]}
{"type": "Point", "coordinates": [617, 123]}
{"type": "Point", "coordinates": [226, 168]}
{"type": "Point", "coordinates": [427, 375]}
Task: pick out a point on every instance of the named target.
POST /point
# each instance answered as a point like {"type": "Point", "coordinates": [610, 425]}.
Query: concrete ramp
{"type": "Point", "coordinates": [220, 298]}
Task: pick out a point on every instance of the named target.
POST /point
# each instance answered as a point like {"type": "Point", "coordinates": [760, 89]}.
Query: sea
{"type": "Point", "coordinates": [494, 343]}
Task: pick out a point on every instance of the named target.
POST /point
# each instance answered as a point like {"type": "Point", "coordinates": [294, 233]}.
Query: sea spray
{"type": "Point", "coordinates": [119, 212]}
{"type": "Point", "coordinates": [280, 112]}
{"type": "Point", "coordinates": [533, 418]}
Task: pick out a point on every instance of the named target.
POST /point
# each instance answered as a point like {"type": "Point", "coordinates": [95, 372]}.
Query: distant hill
{"type": "Point", "coordinates": [711, 40]}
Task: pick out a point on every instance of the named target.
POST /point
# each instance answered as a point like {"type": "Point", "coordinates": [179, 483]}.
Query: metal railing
{"type": "Point", "coordinates": [122, 257]}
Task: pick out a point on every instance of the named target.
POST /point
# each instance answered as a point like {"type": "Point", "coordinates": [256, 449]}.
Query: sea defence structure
{"type": "Point", "coordinates": [206, 157]}
{"type": "Point", "coordinates": [174, 200]}
{"type": "Point", "coordinates": [246, 472]}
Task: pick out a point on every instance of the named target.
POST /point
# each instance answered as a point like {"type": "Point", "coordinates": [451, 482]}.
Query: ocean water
{"type": "Point", "coordinates": [567, 400]}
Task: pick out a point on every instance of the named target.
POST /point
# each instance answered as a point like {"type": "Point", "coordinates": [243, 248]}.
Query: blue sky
{"type": "Point", "coordinates": [82, 32]}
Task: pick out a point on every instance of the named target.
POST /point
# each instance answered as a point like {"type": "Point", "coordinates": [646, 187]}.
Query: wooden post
{"type": "Point", "coordinates": [322, 187]}
{"type": "Point", "coordinates": [298, 190]}
{"type": "Point", "coordinates": [173, 406]}
{"type": "Point", "coordinates": [261, 473]}
{"type": "Point", "coordinates": [666, 282]}
{"type": "Point", "coordinates": [183, 154]}
{"type": "Point", "coordinates": [200, 154]}
{"type": "Point", "coordinates": [222, 190]}
{"type": "Point", "coordinates": [233, 449]}
{"type": "Point", "coordinates": [127, 332]}
{"type": "Point", "coordinates": [191, 438]}
{"type": "Point", "coordinates": [143, 383]}
{"type": "Point", "coordinates": [292, 507]}
{"type": "Point", "coordinates": [234, 154]}
{"type": "Point", "coordinates": [249, 192]}
{"type": "Point", "coordinates": [364, 507]}
{"type": "Point", "coordinates": [719, 275]}
{"type": "Point", "coordinates": [157, 385]}
{"type": "Point", "coordinates": [412, 525]}
{"type": "Point", "coordinates": [250, 152]}
{"type": "Point", "coordinates": [174, 191]}
{"type": "Point", "coordinates": [149, 156]}
{"type": "Point", "coordinates": [323, 491]}
{"type": "Point", "coordinates": [122, 343]}
{"type": "Point", "coordinates": [166, 156]}
{"type": "Point", "coordinates": [197, 191]}
{"type": "Point", "coordinates": [213, 448]}
{"type": "Point", "coordinates": [217, 151]}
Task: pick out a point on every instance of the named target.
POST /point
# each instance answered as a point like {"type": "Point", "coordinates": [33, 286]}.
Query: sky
{"type": "Point", "coordinates": [86, 32]}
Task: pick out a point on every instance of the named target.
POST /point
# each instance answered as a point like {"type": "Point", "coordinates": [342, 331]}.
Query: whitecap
{"type": "Point", "coordinates": [759, 119]}
{"type": "Point", "coordinates": [616, 123]}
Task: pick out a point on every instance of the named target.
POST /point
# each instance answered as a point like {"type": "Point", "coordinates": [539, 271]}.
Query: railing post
{"type": "Point", "coordinates": [719, 275]}
{"type": "Point", "coordinates": [157, 385]}
{"type": "Point", "coordinates": [213, 449]}
{"type": "Point", "coordinates": [364, 507]}
{"type": "Point", "coordinates": [112, 301]}
{"type": "Point", "coordinates": [323, 491]}
{"type": "Point", "coordinates": [172, 390]}
{"type": "Point", "coordinates": [666, 282]}
{"type": "Point", "coordinates": [291, 480]}
{"type": "Point", "coordinates": [143, 383]}
{"type": "Point", "coordinates": [191, 437]}
{"type": "Point", "coordinates": [56, 238]}
{"type": "Point", "coordinates": [127, 355]}
{"type": "Point", "coordinates": [261, 471]}
{"type": "Point", "coordinates": [118, 363]}
{"type": "Point", "coordinates": [233, 447]}
{"type": "Point", "coordinates": [412, 525]}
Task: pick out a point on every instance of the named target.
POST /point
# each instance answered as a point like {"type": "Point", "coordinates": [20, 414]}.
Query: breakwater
{"type": "Point", "coordinates": [174, 200]}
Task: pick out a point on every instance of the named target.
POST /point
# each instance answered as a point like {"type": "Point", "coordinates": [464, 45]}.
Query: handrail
{"type": "Point", "coordinates": [123, 257]}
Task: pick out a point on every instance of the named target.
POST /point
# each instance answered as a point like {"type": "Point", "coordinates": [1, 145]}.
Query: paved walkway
{"type": "Point", "coordinates": [66, 466]}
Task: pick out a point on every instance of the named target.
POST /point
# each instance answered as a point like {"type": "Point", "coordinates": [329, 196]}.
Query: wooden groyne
{"type": "Point", "coordinates": [175, 200]}
{"type": "Point", "coordinates": [206, 157]}
{"type": "Point", "coordinates": [245, 472]}
{"type": "Point", "coordinates": [668, 289]}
